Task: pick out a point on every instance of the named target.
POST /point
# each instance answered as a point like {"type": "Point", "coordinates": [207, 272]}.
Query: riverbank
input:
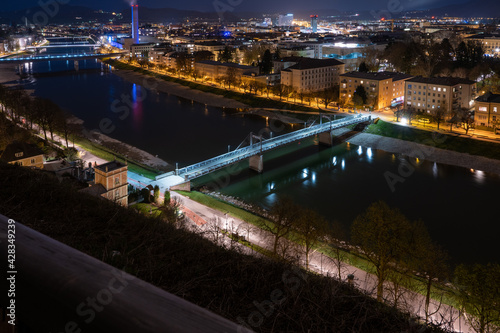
{"type": "Point", "coordinates": [179, 90]}
{"type": "Point", "coordinates": [426, 152]}
{"type": "Point", "coordinates": [8, 76]}
{"type": "Point", "coordinates": [194, 88]}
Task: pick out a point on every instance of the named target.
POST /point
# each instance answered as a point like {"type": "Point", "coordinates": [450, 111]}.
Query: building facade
{"type": "Point", "coordinates": [23, 154]}
{"type": "Point", "coordinates": [384, 89]}
{"type": "Point", "coordinates": [489, 42]}
{"type": "Point", "coordinates": [309, 75]}
{"type": "Point", "coordinates": [429, 94]}
{"type": "Point", "coordinates": [141, 50]}
{"type": "Point", "coordinates": [213, 69]}
{"type": "Point", "coordinates": [487, 110]}
{"type": "Point", "coordinates": [113, 177]}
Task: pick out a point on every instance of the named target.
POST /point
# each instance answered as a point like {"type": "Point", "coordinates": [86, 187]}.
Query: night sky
{"type": "Point", "coordinates": [246, 5]}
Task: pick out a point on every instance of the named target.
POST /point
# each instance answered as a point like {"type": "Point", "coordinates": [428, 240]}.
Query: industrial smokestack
{"type": "Point", "coordinates": [135, 23]}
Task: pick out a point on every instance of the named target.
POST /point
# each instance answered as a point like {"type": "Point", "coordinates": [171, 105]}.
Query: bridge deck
{"type": "Point", "coordinates": [221, 161]}
{"type": "Point", "coordinates": [80, 56]}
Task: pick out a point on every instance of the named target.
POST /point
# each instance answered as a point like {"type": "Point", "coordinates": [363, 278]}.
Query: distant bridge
{"type": "Point", "coordinates": [61, 45]}
{"type": "Point", "coordinates": [50, 57]}
{"type": "Point", "coordinates": [258, 145]}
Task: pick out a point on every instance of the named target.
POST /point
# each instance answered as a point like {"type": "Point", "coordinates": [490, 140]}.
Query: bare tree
{"type": "Point", "coordinates": [439, 113]}
{"type": "Point", "coordinates": [479, 294]}
{"type": "Point", "coordinates": [311, 231]}
{"type": "Point", "coordinates": [381, 233]}
{"type": "Point", "coordinates": [283, 216]}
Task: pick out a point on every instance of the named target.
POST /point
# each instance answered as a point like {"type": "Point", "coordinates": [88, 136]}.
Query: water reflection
{"type": "Point", "coordinates": [435, 170]}
{"type": "Point", "coordinates": [137, 98]}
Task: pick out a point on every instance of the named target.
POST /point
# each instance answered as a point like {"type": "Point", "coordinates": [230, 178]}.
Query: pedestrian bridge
{"type": "Point", "coordinates": [258, 146]}
{"type": "Point", "coordinates": [52, 57]}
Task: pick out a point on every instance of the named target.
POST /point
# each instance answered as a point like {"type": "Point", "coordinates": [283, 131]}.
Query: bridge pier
{"type": "Point", "coordinates": [256, 163]}
{"type": "Point", "coordinates": [77, 66]}
{"type": "Point", "coordinates": [326, 139]}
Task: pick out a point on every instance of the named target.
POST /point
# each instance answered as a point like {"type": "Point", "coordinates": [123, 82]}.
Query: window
{"type": "Point", "coordinates": [495, 109]}
{"type": "Point", "coordinates": [439, 89]}
{"type": "Point", "coordinates": [117, 194]}
{"type": "Point", "coordinates": [33, 161]}
{"type": "Point", "coordinates": [483, 109]}
{"type": "Point", "coordinates": [19, 154]}
{"type": "Point", "coordinates": [117, 180]}
{"type": "Point", "coordinates": [444, 89]}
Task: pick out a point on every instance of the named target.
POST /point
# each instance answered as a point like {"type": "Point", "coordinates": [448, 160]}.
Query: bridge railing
{"type": "Point", "coordinates": [218, 162]}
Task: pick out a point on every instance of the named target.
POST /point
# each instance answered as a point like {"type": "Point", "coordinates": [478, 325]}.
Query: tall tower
{"type": "Point", "coordinates": [314, 23]}
{"type": "Point", "coordinates": [135, 23]}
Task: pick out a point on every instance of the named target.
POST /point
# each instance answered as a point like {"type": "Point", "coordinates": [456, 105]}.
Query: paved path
{"type": "Point", "coordinates": [324, 265]}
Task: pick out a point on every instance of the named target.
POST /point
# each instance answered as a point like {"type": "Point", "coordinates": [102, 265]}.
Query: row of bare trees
{"type": "Point", "coordinates": [401, 252]}
{"type": "Point", "coordinates": [34, 111]}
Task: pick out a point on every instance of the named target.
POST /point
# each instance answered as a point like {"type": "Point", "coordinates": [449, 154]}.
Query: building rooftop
{"type": "Point", "coordinates": [20, 150]}
{"type": "Point", "coordinates": [310, 63]}
{"type": "Point", "coordinates": [489, 98]}
{"type": "Point", "coordinates": [378, 76]}
{"type": "Point", "coordinates": [110, 166]}
{"type": "Point", "coordinates": [228, 64]}
{"type": "Point", "coordinates": [96, 190]}
{"type": "Point", "coordinates": [483, 36]}
{"type": "Point", "coordinates": [442, 81]}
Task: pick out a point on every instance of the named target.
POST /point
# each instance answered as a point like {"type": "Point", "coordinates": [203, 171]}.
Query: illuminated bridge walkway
{"type": "Point", "coordinates": [50, 57]}
{"type": "Point", "coordinates": [257, 146]}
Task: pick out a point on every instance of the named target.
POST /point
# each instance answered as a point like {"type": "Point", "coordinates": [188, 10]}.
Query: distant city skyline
{"type": "Point", "coordinates": [254, 5]}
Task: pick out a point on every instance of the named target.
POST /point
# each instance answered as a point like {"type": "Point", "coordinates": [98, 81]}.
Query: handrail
{"type": "Point", "coordinates": [53, 280]}
{"type": "Point", "coordinates": [202, 168]}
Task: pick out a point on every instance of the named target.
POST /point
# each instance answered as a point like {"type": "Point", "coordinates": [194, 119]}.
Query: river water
{"type": "Point", "coordinates": [457, 205]}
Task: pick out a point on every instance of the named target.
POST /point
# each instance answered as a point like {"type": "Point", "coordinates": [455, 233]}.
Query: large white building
{"type": "Point", "coordinates": [285, 20]}
{"type": "Point", "coordinates": [308, 75]}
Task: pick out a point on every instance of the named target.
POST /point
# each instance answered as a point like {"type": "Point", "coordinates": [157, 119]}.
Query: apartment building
{"type": "Point", "coordinates": [312, 74]}
{"type": "Point", "coordinates": [384, 89]}
{"type": "Point", "coordinates": [428, 94]}
{"type": "Point", "coordinates": [489, 42]}
{"type": "Point", "coordinates": [141, 50]}
{"type": "Point", "coordinates": [487, 110]}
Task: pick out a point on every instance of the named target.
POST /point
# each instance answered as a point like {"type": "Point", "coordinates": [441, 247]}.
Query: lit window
{"type": "Point", "coordinates": [494, 109]}
{"type": "Point", "coordinates": [483, 108]}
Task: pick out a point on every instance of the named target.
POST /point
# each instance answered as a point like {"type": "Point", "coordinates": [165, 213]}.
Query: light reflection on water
{"type": "Point", "coordinates": [340, 183]}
